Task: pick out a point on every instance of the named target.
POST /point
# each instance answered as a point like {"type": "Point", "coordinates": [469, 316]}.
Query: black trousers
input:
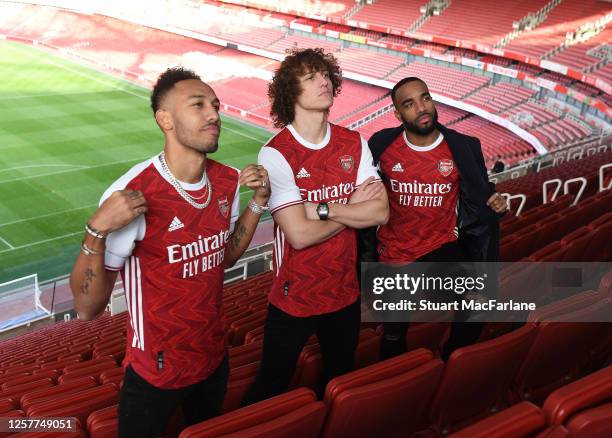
{"type": "Point", "coordinates": [144, 410]}
{"type": "Point", "coordinates": [285, 336]}
{"type": "Point", "coordinates": [462, 333]}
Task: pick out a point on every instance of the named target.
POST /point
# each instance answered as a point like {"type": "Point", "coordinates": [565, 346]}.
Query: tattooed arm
{"type": "Point", "coordinates": [256, 178]}
{"type": "Point", "coordinates": [90, 282]}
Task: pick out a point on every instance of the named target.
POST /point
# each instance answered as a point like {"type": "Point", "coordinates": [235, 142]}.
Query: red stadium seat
{"type": "Point", "coordinates": [103, 423]}
{"type": "Point", "coordinates": [477, 379]}
{"type": "Point", "coordinates": [21, 380]}
{"type": "Point", "coordinates": [79, 404]}
{"type": "Point", "coordinates": [308, 368]}
{"type": "Point", "coordinates": [522, 419]}
{"type": "Point", "coordinates": [245, 354]}
{"type": "Point", "coordinates": [592, 423]}
{"type": "Point", "coordinates": [559, 350]}
{"type": "Point", "coordinates": [114, 375]}
{"type": "Point", "coordinates": [6, 405]}
{"type": "Point", "coordinates": [387, 399]}
{"type": "Point", "coordinates": [554, 432]}
{"type": "Point", "coordinates": [295, 414]}
{"type": "Point", "coordinates": [77, 385]}
{"type": "Point", "coordinates": [240, 380]}
{"type": "Point", "coordinates": [589, 391]}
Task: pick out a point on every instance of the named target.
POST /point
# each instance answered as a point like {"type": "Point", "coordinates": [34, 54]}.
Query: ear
{"type": "Point", "coordinates": [164, 120]}
{"type": "Point", "coordinates": [398, 116]}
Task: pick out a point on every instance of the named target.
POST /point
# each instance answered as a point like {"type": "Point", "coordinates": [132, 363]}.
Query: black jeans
{"type": "Point", "coordinates": [285, 336]}
{"type": "Point", "coordinates": [462, 333]}
{"type": "Point", "coordinates": [144, 410]}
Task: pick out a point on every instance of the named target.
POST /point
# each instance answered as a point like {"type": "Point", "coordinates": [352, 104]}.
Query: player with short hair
{"type": "Point", "coordinates": [443, 208]}
{"type": "Point", "coordinates": [171, 226]}
{"type": "Point", "coordinates": [323, 187]}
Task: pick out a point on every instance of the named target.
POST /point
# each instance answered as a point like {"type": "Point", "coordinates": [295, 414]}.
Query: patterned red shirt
{"type": "Point", "coordinates": [321, 278]}
{"type": "Point", "coordinates": [423, 190]}
{"type": "Point", "coordinates": [171, 261]}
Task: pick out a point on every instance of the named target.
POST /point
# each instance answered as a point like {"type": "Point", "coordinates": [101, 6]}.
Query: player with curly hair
{"type": "Point", "coordinates": [324, 186]}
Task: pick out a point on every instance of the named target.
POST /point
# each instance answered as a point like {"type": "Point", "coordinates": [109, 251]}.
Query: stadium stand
{"type": "Point", "coordinates": [447, 81]}
{"type": "Point", "coordinates": [360, 61]}
{"type": "Point", "coordinates": [472, 20]}
{"type": "Point", "coordinates": [394, 14]}
{"type": "Point", "coordinates": [566, 17]}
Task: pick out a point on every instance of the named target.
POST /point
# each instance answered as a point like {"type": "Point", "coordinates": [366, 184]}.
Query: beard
{"type": "Point", "coordinates": [421, 130]}
{"type": "Point", "coordinates": [187, 138]}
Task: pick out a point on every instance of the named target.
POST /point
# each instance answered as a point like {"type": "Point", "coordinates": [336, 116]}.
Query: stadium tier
{"type": "Point", "coordinates": [477, 20]}
{"type": "Point", "coordinates": [361, 61]}
{"type": "Point", "coordinates": [395, 14]}
{"type": "Point", "coordinates": [566, 17]}
{"type": "Point", "coordinates": [448, 81]}
{"type": "Point", "coordinates": [500, 96]}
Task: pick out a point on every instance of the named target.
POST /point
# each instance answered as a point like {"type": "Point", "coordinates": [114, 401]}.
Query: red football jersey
{"type": "Point", "coordinates": [172, 265]}
{"type": "Point", "coordinates": [422, 186]}
{"type": "Point", "coordinates": [321, 278]}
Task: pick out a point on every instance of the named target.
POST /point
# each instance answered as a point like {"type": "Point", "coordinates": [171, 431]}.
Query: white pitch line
{"type": "Point", "coordinates": [35, 166]}
{"type": "Point", "coordinates": [112, 163]}
{"type": "Point", "coordinates": [41, 241]}
{"type": "Point", "coordinates": [47, 215]}
{"type": "Point", "coordinates": [7, 244]}
{"type": "Point", "coordinates": [58, 94]}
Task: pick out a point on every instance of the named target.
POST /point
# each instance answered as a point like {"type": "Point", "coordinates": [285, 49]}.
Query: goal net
{"type": "Point", "coordinates": [20, 301]}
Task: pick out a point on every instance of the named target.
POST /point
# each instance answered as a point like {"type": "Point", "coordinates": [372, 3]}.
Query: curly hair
{"type": "Point", "coordinates": [166, 81]}
{"type": "Point", "coordinates": [285, 87]}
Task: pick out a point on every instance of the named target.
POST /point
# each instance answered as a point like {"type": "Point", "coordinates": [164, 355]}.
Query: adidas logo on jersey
{"type": "Point", "coordinates": [397, 168]}
{"type": "Point", "coordinates": [175, 224]}
{"type": "Point", "coordinates": [303, 173]}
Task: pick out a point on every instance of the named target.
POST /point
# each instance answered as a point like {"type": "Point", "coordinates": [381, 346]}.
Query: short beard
{"type": "Point", "coordinates": [185, 139]}
{"type": "Point", "coordinates": [416, 129]}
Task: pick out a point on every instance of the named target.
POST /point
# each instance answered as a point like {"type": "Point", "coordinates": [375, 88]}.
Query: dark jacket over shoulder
{"type": "Point", "coordinates": [478, 224]}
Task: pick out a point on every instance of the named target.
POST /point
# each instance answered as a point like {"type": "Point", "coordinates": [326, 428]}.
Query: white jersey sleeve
{"type": "Point", "coordinates": [284, 190]}
{"type": "Point", "coordinates": [235, 205]}
{"type": "Point", "coordinates": [120, 243]}
{"type": "Point", "coordinates": [366, 167]}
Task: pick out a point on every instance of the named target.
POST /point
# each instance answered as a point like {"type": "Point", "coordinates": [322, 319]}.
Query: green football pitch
{"type": "Point", "coordinates": [66, 133]}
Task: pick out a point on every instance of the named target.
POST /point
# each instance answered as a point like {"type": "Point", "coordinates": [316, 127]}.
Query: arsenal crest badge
{"type": "Point", "coordinates": [347, 163]}
{"type": "Point", "coordinates": [224, 207]}
{"type": "Point", "coordinates": [445, 167]}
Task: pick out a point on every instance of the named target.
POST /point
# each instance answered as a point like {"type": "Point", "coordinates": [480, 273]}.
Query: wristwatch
{"type": "Point", "coordinates": [323, 211]}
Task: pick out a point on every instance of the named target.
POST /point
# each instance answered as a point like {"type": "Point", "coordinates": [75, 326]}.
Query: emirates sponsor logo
{"type": "Point", "coordinates": [303, 173]}
{"type": "Point", "coordinates": [203, 245]}
{"type": "Point", "coordinates": [397, 168]}
{"type": "Point", "coordinates": [224, 207]}
{"type": "Point", "coordinates": [336, 192]}
{"type": "Point", "coordinates": [445, 167]}
{"type": "Point", "coordinates": [175, 224]}
{"type": "Point", "coordinates": [347, 163]}
{"type": "Point", "coordinates": [419, 188]}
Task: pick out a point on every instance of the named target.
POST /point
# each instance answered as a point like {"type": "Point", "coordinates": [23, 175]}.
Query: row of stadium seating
{"type": "Point", "coordinates": [374, 401]}
{"type": "Point", "coordinates": [518, 360]}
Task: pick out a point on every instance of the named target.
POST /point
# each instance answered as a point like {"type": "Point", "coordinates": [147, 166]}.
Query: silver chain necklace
{"type": "Point", "coordinates": [181, 191]}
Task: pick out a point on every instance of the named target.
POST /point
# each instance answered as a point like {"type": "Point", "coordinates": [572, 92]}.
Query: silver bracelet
{"type": "Point", "coordinates": [95, 233]}
{"type": "Point", "coordinates": [88, 251]}
{"type": "Point", "coordinates": [256, 208]}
